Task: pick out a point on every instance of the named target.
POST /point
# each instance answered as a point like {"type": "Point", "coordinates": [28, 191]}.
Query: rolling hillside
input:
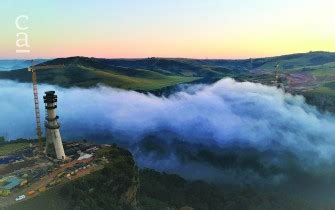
{"type": "Point", "coordinates": [311, 74]}
{"type": "Point", "coordinates": [87, 72]}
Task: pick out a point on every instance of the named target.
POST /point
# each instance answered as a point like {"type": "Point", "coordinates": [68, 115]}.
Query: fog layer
{"type": "Point", "coordinates": [227, 114]}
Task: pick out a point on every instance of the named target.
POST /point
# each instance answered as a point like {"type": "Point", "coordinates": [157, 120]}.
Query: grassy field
{"type": "Point", "coordinates": [324, 90]}
{"type": "Point", "coordinates": [88, 75]}
{"type": "Point", "coordinates": [8, 149]}
{"type": "Point", "coordinates": [144, 80]}
{"type": "Point", "coordinates": [323, 97]}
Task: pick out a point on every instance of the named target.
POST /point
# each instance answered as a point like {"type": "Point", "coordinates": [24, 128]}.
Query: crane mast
{"type": "Point", "coordinates": [37, 111]}
{"type": "Point", "coordinates": [33, 69]}
{"type": "Point", "coordinates": [277, 76]}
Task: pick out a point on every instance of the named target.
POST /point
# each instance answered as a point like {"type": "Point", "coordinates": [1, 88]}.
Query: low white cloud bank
{"type": "Point", "coordinates": [225, 113]}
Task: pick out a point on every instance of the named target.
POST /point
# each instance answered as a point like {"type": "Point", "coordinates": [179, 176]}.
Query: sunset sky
{"type": "Point", "coordinates": [172, 28]}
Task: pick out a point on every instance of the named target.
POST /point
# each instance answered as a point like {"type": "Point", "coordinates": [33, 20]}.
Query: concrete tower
{"type": "Point", "coordinates": [54, 145]}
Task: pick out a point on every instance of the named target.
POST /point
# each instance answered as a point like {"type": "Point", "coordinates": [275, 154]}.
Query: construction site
{"type": "Point", "coordinates": [29, 167]}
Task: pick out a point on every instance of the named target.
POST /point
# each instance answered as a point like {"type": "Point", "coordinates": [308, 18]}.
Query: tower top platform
{"type": "Point", "coordinates": [50, 97]}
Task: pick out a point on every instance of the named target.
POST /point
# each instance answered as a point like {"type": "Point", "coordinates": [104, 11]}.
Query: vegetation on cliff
{"type": "Point", "coordinates": [160, 191]}
{"type": "Point", "coordinates": [113, 187]}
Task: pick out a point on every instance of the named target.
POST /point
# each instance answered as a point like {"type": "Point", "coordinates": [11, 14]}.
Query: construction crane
{"type": "Point", "coordinates": [33, 70]}
{"type": "Point", "coordinates": [277, 76]}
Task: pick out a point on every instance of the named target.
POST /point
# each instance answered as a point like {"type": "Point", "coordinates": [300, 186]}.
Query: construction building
{"type": "Point", "coordinates": [54, 145]}
{"type": "Point", "coordinates": [9, 183]}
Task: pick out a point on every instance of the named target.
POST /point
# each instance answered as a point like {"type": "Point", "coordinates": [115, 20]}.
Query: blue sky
{"type": "Point", "coordinates": [174, 28]}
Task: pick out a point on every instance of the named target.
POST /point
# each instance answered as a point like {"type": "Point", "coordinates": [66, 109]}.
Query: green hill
{"type": "Point", "coordinates": [86, 72]}
{"type": "Point", "coordinates": [156, 73]}
{"type": "Point", "coordinates": [311, 74]}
